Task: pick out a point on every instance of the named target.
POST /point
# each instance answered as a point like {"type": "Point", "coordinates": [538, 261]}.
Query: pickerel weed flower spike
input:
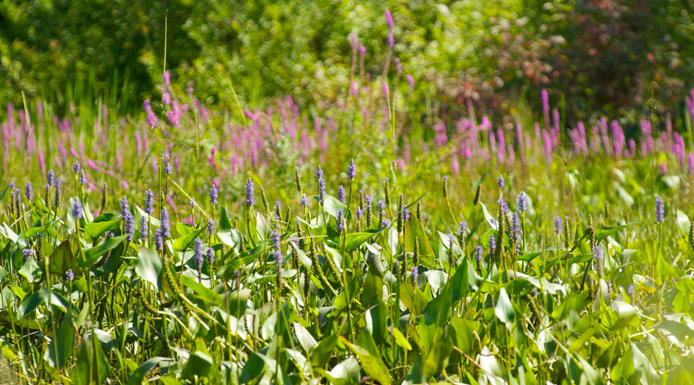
{"type": "Point", "coordinates": [124, 207]}
{"type": "Point", "coordinates": [352, 170]}
{"type": "Point", "coordinates": [58, 183]}
{"type": "Point", "coordinates": [462, 226]}
{"type": "Point", "coordinates": [26, 253]}
{"type": "Point", "coordinates": [321, 188]}
{"type": "Point", "coordinates": [522, 202]}
{"type": "Point", "coordinates": [478, 257]}
{"type": "Point", "coordinates": [149, 202]}
{"type": "Point", "coordinates": [28, 191]}
{"type": "Point", "coordinates": [144, 227]}
{"type": "Point", "coordinates": [500, 181]}
{"type": "Point", "coordinates": [250, 194]}
{"type": "Point", "coordinates": [129, 225]}
{"type": "Point", "coordinates": [275, 240]}
{"type": "Point", "coordinates": [303, 201]}
{"type": "Point", "coordinates": [659, 210]}
{"type": "Point", "coordinates": [557, 225]}
{"type": "Point", "coordinates": [164, 228]}
{"type": "Point", "coordinates": [319, 173]}
{"type": "Point", "coordinates": [69, 275]}
{"type": "Point", "coordinates": [210, 226]}
{"type": "Point", "coordinates": [76, 167]}
{"type": "Point", "coordinates": [492, 245]}
{"type": "Point", "coordinates": [503, 205]}
{"type": "Point", "coordinates": [82, 178]}
{"type": "Point", "coordinates": [213, 195]}
{"type": "Point", "coordinates": [415, 275]}
{"type": "Point", "coordinates": [77, 210]}
{"type": "Point", "coordinates": [384, 223]}
{"type": "Point", "coordinates": [340, 221]}
{"type": "Point", "coordinates": [197, 253]}
{"type": "Point", "coordinates": [359, 212]}
{"type": "Point", "coordinates": [51, 177]}
{"type": "Point", "coordinates": [341, 195]}
{"type": "Point", "coordinates": [210, 256]}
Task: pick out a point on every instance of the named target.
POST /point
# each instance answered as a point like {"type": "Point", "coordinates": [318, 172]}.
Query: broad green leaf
{"type": "Point", "coordinates": [91, 255]}
{"type": "Point", "coordinates": [149, 266]}
{"type": "Point", "coordinates": [373, 366]}
{"type": "Point", "coordinates": [354, 240]}
{"type": "Point", "coordinates": [92, 367]}
{"type": "Point", "coordinates": [139, 374]}
{"type": "Point", "coordinates": [504, 308]}
{"type": "Point", "coordinates": [62, 345]}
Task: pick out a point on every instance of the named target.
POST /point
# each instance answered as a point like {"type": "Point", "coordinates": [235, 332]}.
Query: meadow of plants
{"type": "Point", "coordinates": [362, 240]}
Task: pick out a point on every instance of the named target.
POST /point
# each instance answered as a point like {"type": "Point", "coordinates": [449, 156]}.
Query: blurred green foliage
{"type": "Point", "coordinates": [602, 56]}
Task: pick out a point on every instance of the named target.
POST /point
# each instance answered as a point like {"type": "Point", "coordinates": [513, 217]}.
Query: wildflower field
{"type": "Point", "coordinates": [365, 239]}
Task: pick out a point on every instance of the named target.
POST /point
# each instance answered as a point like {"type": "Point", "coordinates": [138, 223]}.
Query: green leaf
{"type": "Point", "coordinates": [224, 222]}
{"type": "Point", "coordinates": [331, 205]}
{"type": "Point", "coordinates": [606, 231]}
{"type": "Point", "coordinates": [373, 365]}
{"type": "Point", "coordinates": [92, 367]}
{"type": "Point", "coordinates": [199, 364]}
{"type": "Point", "coordinates": [183, 242]}
{"type": "Point", "coordinates": [346, 372]}
{"type": "Point", "coordinates": [62, 345]}
{"type": "Point", "coordinates": [139, 374]}
{"type": "Point", "coordinates": [96, 229]}
{"type": "Point", "coordinates": [92, 254]}
{"type": "Point", "coordinates": [304, 337]}
{"type": "Point", "coordinates": [504, 308]}
{"type": "Point", "coordinates": [204, 294]}
{"type": "Point", "coordinates": [62, 260]}
{"type": "Point", "coordinates": [149, 267]}
{"type": "Point", "coordinates": [355, 240]}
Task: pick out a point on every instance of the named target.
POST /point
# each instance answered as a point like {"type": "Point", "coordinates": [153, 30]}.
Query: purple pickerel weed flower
{"type": "Point", "coordinates": [405, 215]}
{"type": "Point", "coordinates": [492, 244]}
{"type": "Point", "coordinates": [303, 201]}
{"type": "Point", "coordinates": [210, 256]}
{"type": "Point", "coordinates": [415, 275]}
{"type": "Point", "coordinates": [210, 226]}
{"type": "Point", "coordinates": [28, 191]}
{"type": "Point", "coordinates": [129, 225]}
{"type": "Point", "coordinates": [275, 240]}
{"type": "Point", "coordinates": [352, 170]}
{"type": "Point", "coordinates": [478, 256]}
{"type": "Point", "coordinates": [381, 205]}
{"type": "Point", "coordinates": [340, 221]}
{"type": "Point", "coordinates": [26, 253]}
{"type": "Point", "coordinates": [279, 258]}
{"type": "Point", "coordinates": [516, 231]}
{"type": "Point", "coordinates": [167, 164]}
{"type": "Point", "coordinates": [396, 268]}
{"type": "Point", "coordinates": [76, 167]}
{"type": "Point", "coordinates": [158, 240]}
{"type": "Point", "coordinates": [213, 195]}
{"type": "Point", "coordinates": [164, 228]}
{"type": "Point", "coordinates": [522, 202]}
{"type": "Point", "coordinates": [51, 177]}
{"type": "Point", "coordinates": [144, 227]}
{"type": "Point", "coordinates": [58, 184]}
{"type": "Point", "coordinates": [341, 195]}
{"type": "Point", "coordinates": [500, 181]}
{"type": "Point", "coordinates": [462, 226]}
{"type": "Point", "coordinates": [69, 275]}
{"type": "Point", "coordinates": [359, 212]}
{"type": "Point", "coordinates": [319, 173]}
{"type": "Point", "coordinates": [197, 253]}
{"type": "Point", "coordinates": [321, 188]}
{"type": "Point", "coordinates": [124, 206]}
{"type": "Point", "coordinates": [82, 178]}
{"type": "Point", "coordinates": [149, 202]}
{"type": "Point", "coordinates": [504, 206]}
{"type": "Point", "coordinates": [659, 210]}
{"type": "Point", "coordinates": [557, 225]}
{"type": "Point", "coordinates": [192, 204]}
{"type": "Point", "coordinates": [384, 223]}
{"type": "Point", "coordinates": [250, 195]}
{"type": "Point", "coordinates": [77, 210]}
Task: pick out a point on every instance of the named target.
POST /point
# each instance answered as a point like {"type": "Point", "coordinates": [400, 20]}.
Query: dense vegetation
{"type": "Point", "coordinates": [390, 233]}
